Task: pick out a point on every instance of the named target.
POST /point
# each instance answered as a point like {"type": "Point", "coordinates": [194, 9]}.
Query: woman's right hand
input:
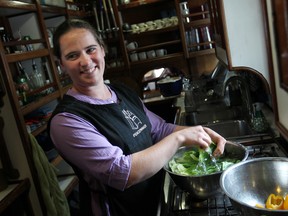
{"type": "Point", "coordinates": [202, 137]}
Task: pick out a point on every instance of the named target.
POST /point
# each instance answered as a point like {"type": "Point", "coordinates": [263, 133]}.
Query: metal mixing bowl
{"type": "Point", "coordinates": [205, 186]}
{"type": "Point", "coordinates": [251, 182]}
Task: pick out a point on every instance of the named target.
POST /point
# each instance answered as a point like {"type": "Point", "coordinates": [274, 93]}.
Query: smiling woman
{"type": "Point", "coordinates": [117, 137]}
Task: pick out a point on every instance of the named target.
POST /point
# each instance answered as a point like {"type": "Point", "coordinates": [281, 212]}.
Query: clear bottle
{"type": "Point", "coordinates": [5, 38]}
{"type": "Point", "coordinates": [39, 81]}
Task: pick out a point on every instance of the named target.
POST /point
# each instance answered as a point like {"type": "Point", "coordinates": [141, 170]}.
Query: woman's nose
{"type": "Point", "coordinates": [85, 59]}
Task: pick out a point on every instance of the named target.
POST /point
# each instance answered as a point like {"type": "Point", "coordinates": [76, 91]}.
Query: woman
{"type": "Point", "coordinates": [115, 144]}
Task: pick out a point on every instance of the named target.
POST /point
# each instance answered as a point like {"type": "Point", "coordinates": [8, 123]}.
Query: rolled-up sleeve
{"type": "Point", "coordinates": [82, 145]}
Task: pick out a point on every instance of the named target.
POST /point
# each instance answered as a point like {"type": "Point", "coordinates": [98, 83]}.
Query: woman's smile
{"type": "Point", "coordinates": [89, 70]}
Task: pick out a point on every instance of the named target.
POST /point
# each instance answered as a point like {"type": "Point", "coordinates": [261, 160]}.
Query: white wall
{"type": "Point", "coordinates": [245, 29]}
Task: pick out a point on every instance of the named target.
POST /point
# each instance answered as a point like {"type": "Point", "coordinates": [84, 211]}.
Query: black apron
{"type": "Point", "coordinates": [125, 125]}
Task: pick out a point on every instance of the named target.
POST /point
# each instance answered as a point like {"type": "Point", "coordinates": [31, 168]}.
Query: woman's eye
{"type": "Point", "coordinates": [91, 50]}
{"type": "Point", "coordinates": [71, 56]}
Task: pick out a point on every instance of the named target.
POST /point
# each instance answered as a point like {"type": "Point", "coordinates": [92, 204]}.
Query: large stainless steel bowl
{"type": "Point", "coordinates": [250, 182]}
{"type": "Point", "coordinates": [205, 186]}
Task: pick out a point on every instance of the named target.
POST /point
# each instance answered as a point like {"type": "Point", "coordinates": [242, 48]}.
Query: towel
{"type": "Point", "coordinates": [54, 198]}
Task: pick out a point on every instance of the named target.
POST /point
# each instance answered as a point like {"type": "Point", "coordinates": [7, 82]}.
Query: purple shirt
{"type": "Point", "coordinates": [83, 145]}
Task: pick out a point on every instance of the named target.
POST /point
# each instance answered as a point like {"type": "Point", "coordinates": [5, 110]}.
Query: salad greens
{"type": "Point", "coordinates": [197, 162]}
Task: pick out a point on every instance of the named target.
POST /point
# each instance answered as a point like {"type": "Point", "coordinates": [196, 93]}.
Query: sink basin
{"type": "Point", "coordinates": [228, 122]}
{"type": "Point", "coordinates": [232, 129]}
{"type": "Point", "coordinates": [210, 116]}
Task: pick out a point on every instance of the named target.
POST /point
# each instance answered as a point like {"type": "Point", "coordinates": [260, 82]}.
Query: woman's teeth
{"type": "Point", "coordinates": [89, 70]}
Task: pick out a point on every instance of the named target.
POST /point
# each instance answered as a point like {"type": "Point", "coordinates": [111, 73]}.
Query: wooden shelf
{"type": "Point", "coordinates": [151, 32]}
{"type": "Point", "coordinates": [198, 23]}
{"type": "Point", "coordinates": [53, 11]}
{"type": "Point", "coordinates": [201, 52]}
{"type": "Point", "coordinates": [138, 3]}
{"type": "Point", "coordinates": [14, 191]}
{"type": "Point", "coordinates": [15, 57]}
{"type": "Point", "coordinates": [39, 130]}
{"type": "Point", "coordinates": [155, 46]}
{"type": "Point", "coordinates": [16, 7]}
{"type": "Point", "coordinates": [57, 160]}
{"type": "Point", "coordinates": [38, 103]}
{"type": "Point", "coordinates": [68, 183]}
{"type": "Point", "coordinates": [74, 13]}
{"type": "Point", "coordinates": [159, 59]}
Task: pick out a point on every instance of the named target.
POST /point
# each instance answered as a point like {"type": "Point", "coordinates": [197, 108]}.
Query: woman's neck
{"type": "Point", "coordinates": [100, 92]}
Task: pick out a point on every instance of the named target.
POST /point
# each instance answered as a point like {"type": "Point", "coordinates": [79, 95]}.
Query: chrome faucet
{"type": "Point", "coordinates": [238, 82]}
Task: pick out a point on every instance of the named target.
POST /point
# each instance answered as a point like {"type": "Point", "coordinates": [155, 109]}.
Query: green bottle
{"type": "Point", "coordinates": [22, 83]}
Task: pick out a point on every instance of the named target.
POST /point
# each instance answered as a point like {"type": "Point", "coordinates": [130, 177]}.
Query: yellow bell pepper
{"type": "Point", "coordinates": [274, 202]}
{"type": "Point", "coordinates": [285, 205]}
{"type": "Point", "coordinates": [259, 205]}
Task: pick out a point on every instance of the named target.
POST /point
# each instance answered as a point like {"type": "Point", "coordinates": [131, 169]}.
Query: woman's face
{"type": "Point", "coordinates": [82, 58]}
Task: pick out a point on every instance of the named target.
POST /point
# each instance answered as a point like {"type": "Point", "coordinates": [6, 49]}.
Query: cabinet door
{"type": "Point", "coordinates": [240, 34]}
{"type": "Point", "coordinates": [276, 19]}
{"type": "Point", "coordinates": [281, 26]}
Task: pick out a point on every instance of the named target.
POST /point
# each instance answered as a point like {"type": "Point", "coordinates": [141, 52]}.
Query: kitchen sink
{"type": "Point", "coordinates": [228, 122]}
{"type": "Point", "coordinates": [210, 116]}
{"type": "Point", "coordinates": [233, 129]}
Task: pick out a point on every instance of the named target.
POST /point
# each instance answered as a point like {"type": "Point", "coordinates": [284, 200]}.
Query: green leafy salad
{"type": "Point", "coordinates": [198, 162]}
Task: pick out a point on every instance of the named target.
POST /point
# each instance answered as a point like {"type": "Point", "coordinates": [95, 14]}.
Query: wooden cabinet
{"type": "Point", "coordinates": [158, 35]}
{"type": "Point", "coordinates": [238, 29]}
{"type": "Point", "coordinates": [277, 32]}
{"type": "Point", "coordinates": [163, 36]}
{"type": "Point", "coordinates": [164, 25]}
{"type": "Point", "coordinates": [33, 80]}
{"type": "Point", "coordinates": [281, 26]}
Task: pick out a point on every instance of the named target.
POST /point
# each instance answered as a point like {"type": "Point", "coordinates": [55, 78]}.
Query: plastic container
{"type": "Point", "coordinates": [170, 86]}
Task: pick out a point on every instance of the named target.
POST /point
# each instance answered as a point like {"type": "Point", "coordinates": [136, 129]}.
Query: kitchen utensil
{"type": "Point", "coordinates": [96, 17]}
{"type": "Point", "coordinates": [170, 86]}
{"type": "Point", "coordinates": [251, 182]}
{"type": "Point", "coordinates": [102, 19]}
{"type": "Point", "coordinates": [115, 28]}
{"type": "Point", "coordinates": [205, 186]}
{"type": "Point", "coordinates": [108, 29]}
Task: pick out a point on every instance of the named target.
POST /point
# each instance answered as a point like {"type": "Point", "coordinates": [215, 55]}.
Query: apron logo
{"type": "Point", "coordinates": [133, 120]}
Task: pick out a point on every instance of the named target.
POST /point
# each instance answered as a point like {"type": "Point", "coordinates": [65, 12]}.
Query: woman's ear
{"type": "Point", "coordinates": [104, 51]}
{"type": "Point", "coordinates": [60, 67]}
